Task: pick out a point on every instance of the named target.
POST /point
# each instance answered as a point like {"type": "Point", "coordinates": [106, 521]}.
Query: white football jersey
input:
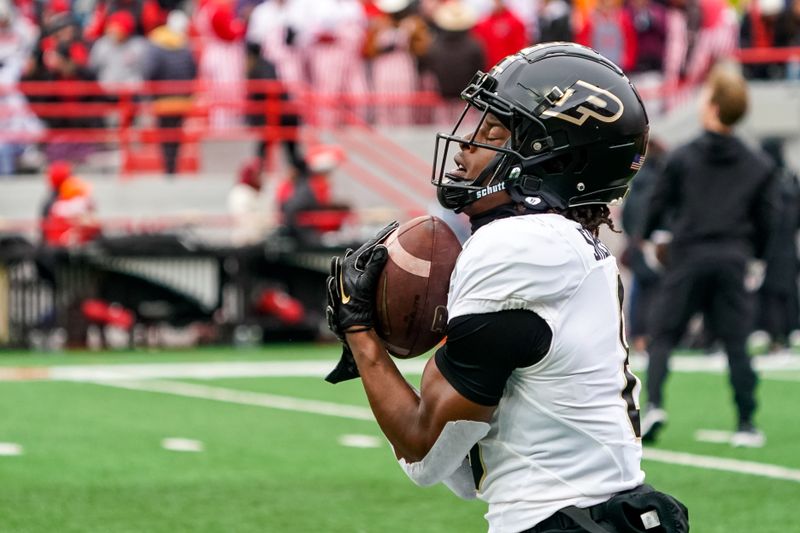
{"type": "Point", "coordinates": [563, 432]}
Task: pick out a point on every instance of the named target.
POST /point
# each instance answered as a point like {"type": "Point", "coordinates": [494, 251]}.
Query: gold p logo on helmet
{"type": "Point", "coordinates": [584, 100]}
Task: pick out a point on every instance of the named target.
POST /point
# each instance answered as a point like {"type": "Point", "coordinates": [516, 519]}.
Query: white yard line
{"type": "Point", "coordinates": [363, 413]}
{"type": "Point", "coordinates": [361, 441]}
{"type": "Point", "coordinates": [260, 399]}
{"type": "Point", "coordinates": [713, 436]}
{"type": "Point", "coordinates": [10, 448]}
{"type": "Point", "coordinates": [179, 444]}
{"type": "Point", "coordinates": [726, 465]}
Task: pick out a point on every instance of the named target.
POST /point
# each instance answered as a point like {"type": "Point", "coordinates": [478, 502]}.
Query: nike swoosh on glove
{"type": "Point", "coordinates": [351, 296]}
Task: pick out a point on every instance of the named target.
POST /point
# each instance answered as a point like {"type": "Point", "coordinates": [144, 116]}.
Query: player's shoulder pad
{"type": "Point", "coordinates": [532, 239]}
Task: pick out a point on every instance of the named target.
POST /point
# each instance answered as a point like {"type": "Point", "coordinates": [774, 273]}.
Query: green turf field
{"type": "Point", "coordinates": [92, 458]}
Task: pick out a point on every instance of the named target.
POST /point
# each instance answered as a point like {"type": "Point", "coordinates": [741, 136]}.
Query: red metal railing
{"type": "Point", "coordinates": [82, 112]}
{"type": "Point", "coordinates": [769, 55]}
{"type": "Point", "coordinates": [126, 115]}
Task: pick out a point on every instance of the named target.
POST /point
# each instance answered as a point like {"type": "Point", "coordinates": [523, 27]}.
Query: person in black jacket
{"type": "Point", "coordinates": [721, 196]}
{"type": "Point", "coordinates": [169, 58]}
{"type": "Point", "coordinates": [453, 57]}
{"type": "Point", "coordinates": [257, 68]}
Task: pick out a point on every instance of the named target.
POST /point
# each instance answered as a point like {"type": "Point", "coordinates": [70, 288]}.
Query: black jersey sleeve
{"type": "Point", "coordinates": [483, 349]}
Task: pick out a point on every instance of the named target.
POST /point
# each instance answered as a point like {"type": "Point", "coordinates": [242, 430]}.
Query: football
{"type": "Point", "coordinates": [412, 290]}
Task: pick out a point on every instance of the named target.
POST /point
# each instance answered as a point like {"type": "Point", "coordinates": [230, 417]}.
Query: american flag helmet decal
{"type": "Point", "coordinates": [638, 161]}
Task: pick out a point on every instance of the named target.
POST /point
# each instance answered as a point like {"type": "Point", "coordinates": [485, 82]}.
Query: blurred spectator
{"type": "Point", "coordinates": [62, 29]}
{"type": "Point", "coordinates": [336, 29]}
{"type": "Point", "coordinates": [716, 39]}
{"type": "Point", "coordinates": [222, 60]}
{"type": "Point", "coordinates": [17, 37]}
{"type": "Point", "coordinates": [95, 26]}
{"type": "Point", "coordinates": [65, 62]}
{"type": "Point", "coordinates": [118, 56]}
{"type": "Point", "coordinates": [677, 45]}
{"type": "Point", "coordinates": [27, 9]}
{"type": "Point", "coordinates": [757, 30]}
{"type": "Point", "coordinates": [454, 57]}
{"type": "Point", "coordinates": [154, 13]}
{"type": "Point", "coordinates": [57, 173]}
{"type": "Point", "coordinates": [246, 205]}
{"type": "Point", "coordinates": [555, 21]}
{"type": "Point", "coordinates": [394, 41]}
{"type": "Point", "coordinates": [526, 11]}
{"type": "Point", "coordinates": [787, 28]}
{"type": "Point", "coordinates": [168, 58]}
{"type": "Point", "coordinates": [54, 13]}
{"type": "Point", "coordinates": [609, 30]}
{"type": "Point", "coordinates": [277, 26]}
{"type": "Point", "coordinates": [61, 35]}
{"type": "Point", "coordinates": [650, 24]}
{"type": "Point", "coordinates": [70, 220]}
{"type": "Point", "coordinates": [308, 190]}
{"type": "Point", "coordinates": [146, 14]}
{"type": "Point", "coordinates": [305, 199]}
{"type": "Point", "coordinates": [259, 69]}
{"type": "Point", "coordinates": [62, 56]}
{"type": "Point", "coordinates": [501, 34]}
{"type": "Point", "coordinates": [778, 297]}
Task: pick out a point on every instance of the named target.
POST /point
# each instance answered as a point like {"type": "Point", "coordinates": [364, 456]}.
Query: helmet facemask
{"type": "Point", "coordinates": [509, 169]}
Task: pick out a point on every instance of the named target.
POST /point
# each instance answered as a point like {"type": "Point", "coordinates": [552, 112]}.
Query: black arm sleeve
{"type": "Point", "coordinates": [482, 351]}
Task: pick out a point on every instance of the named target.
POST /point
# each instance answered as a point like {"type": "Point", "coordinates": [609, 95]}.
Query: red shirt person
{"type": "Point", "coordinates": [609, 30]}
{"type": "Point", "coordinates": [70, 220]}
{"type": "Point", "coordinates": [306, 199]}
{"type": "Point", "coordinates": [502, 33]}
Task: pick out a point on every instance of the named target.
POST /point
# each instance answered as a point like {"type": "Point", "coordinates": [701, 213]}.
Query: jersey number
{"type": "Point", "coordinates": [630, 379]}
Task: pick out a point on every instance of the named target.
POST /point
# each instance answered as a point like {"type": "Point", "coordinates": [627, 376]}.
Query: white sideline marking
{"type": "Point", "coordinates": [243, 369]}
{"type": "Point", "coordinates": [718, 463]}
{"type": "Point", "coordinates": [259, 399]}
{"type": "Point", "coordinates": [781, 377]}
{"type": "Point", "coordinates": [214, 370]}
{"type": "Point", "coordinates": [713, 435]}
{"type": "Point", "coordinates": [360, 441]}
{"type": "Point", "coordinates": [718, 362]}
{"type": "Point", "coordinates": [10, 448]}
{"type": "Point", "coordinates": [362, 413]}
{"type": "Point", "coordinates": [177, 444]}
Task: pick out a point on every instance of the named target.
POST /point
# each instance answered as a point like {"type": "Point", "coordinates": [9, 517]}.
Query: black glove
{"type": "Point", "coordinates": [346, 367]}
{"type": "Point", "coordinates": [351, 294]}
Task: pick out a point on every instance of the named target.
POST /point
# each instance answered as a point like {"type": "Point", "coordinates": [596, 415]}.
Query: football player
{"type": "Point", "coordinates": [530, 404]}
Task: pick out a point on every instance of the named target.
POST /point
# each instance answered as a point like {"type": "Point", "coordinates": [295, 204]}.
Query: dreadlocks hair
{"type": "Point", "coordinates": [591, 217]}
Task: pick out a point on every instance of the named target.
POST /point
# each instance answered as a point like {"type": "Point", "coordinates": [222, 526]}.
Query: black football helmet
{"type": "Point", "coordinates": [578, 130]}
